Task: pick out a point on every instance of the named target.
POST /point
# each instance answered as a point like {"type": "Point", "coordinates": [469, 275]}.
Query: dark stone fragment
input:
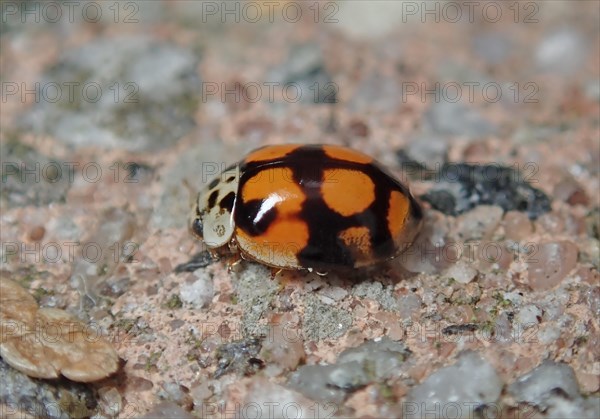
{"type": "Point", "coordinates": [457, 329]}
{"type": "Point", "coordinates": [240, 357]}
{"type": "Point", "coordinates": [199, 260]}
{"type": "Point", "coordinates": [461, 187]}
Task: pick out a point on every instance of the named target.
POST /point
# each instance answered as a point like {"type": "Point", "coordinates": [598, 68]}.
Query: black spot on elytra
{"type": "Point", "coordinates": [213, 183]}
{"type": "Point", "coordinates": [249, 220]}
{"type": "Point", "coordinates": [212, 199]}
{"type": "Point", "coordinates": [227, 201]}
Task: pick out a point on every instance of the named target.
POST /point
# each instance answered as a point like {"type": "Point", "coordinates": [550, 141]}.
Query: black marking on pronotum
{"type": "Point", "coordinates": [213, 183]}
{"type": "Point", "coordinates": [212, 199]}
{"type": "Point", "coordinates": [227, 201]}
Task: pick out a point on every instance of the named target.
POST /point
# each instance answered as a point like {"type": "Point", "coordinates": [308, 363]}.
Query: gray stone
{"type": "Point", "coordinates": [41, 398]}
{"type": "Point", "coordinates": [381, 358]}
{"type": "Point", "coordinates": [472, 380]}
{"type": "Point", "coordinates": [134, 93]}
{"type": "Point", "coordinates": [313, 380]}
{"type": "Point", "coordinates": [544, 384]}
{"type": "Point", "coordinates": [373, 361]}
{"type": "Point", "coordinates": [201, 292]}
{"type": "Point", "coordinates": [563, 51]}
{"type": "Point", "coordinates": [426, 150]}
{"type": "Point", "coordinates": [457, 119]}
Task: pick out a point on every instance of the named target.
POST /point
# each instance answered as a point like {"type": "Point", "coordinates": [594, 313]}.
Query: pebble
{"type": "Point", "coordinates": [381, 357]}
{"type": "Point", "coordinates": [238, 356]}
{"type": "Point", "coordinates": [456, 119]}
{"type": "Point", "coordinates": [461, 272]}
{"type": "Point", "coordinates": [315, 382]}
{"type": "Point", "coordinates": [37, 233]}
{"type": "Point", "coordinates": [479, 385]}
{"type": "Point", "coordinates": [538, 387]}
{"type": "Point", "coordinates": [548, 334]}
{"type": "Point", "coordinates": [426, 255]}
{"type": "Point", "coordinates": [529, 315]}
{"type": "Point", "coordinates": [479, 222]}
{"type": "Point", "coordinates": [570, 191]}
{"type": "Point", "coordinates": [110, 401]}
{"type": "Point", "coordinates": [167, 409]}
{"type": "Point", "coordinates": [333, 292]}
{"type": "Point", "coordinates": [373, 361]}
{"type": "Point", "coordinates": [283, 344]}
{"type": "Point", "coordinates": [589, 251]}
{"type": "Point", "coordinates": [177, 393]}
{"type": "Point", "coordinates": [200, 293]}
{"type": "Point", "coordinates": [563, 52]}
{"type": "Point", "coordinates": [550, 264]}
{"type": "Point", "coordinates": [517, 226]}
{"type": "Point", "coordinates": [277, 401]}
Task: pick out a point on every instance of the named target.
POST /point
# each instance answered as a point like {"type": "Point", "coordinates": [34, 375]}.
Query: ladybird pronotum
{"type": "Point", "coordinates": [320, 207]}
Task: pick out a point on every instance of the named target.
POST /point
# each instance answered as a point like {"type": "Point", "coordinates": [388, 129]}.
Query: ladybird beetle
{"type": "Point", "coordinates": [313, 207]}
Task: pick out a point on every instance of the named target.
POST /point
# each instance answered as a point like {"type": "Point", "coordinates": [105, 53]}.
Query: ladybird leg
{"type": "Point", "coordinates": [214, 254]}
{"type": "Point", "coordinates": [233, 262]}
{"type": "Point", "coordinates": [275, 272]}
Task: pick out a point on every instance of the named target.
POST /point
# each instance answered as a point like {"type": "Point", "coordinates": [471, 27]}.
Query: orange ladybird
{"type": "Point", "coordinates": [314, 207]}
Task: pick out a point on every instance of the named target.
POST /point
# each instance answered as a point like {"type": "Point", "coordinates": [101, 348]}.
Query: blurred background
{"type": "Point", "coordinates": [111, 109]}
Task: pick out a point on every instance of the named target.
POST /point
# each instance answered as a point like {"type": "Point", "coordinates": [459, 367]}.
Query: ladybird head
{"type": "Point", "coordinates": [212, 218]}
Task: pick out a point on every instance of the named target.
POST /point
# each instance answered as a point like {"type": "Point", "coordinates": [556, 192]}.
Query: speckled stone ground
{"type": "Point", "coordinates": [112, 114]}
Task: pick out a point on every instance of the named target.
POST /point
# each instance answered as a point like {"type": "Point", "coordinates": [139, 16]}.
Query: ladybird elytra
{"type": "Point", "coordinates": [314, 207]}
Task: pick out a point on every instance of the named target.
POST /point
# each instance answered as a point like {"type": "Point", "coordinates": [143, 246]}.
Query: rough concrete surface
{"type": "Point", "coordinates": [114, 114]}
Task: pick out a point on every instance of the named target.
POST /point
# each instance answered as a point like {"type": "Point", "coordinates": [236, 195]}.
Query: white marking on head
{"type": "Point", "coordinates": [216, 218]}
